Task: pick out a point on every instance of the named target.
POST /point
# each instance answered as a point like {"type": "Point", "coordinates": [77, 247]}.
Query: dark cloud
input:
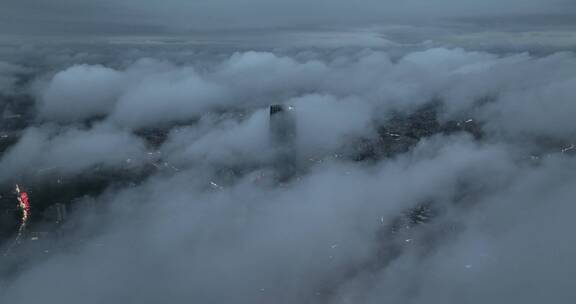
{"type": "Point", "coordinates": [144, 16]}
{"type": "Point", "coordinates": [9, 76]}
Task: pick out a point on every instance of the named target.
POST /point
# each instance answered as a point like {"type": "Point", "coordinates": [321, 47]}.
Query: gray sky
{"type": "Point", "coordinates": [172, 16]}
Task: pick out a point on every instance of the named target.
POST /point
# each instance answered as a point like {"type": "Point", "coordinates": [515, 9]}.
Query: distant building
{"type": "Point", "coordinates": [283, 139]}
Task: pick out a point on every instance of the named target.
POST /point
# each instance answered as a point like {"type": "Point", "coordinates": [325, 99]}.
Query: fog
{"type": "Point", "coordinates": [8, 77]}
{"type": "Point", "coordinates": [196, 207]}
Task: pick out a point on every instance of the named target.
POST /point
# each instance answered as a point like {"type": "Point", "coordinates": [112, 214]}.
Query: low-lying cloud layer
{"type": "Point", "coordinates": [211, 223]}
{"type": "Point", "coordinates": [152, 93]}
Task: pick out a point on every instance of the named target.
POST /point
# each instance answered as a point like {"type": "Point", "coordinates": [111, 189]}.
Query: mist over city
{"type": "Point", "coordinates": [319, 152]}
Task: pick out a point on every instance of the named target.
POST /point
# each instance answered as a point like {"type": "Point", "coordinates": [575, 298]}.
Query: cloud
{"type": "Point", "coordinates": [219, 227]}
{"type": "Point", "coordinates": [69, 152]}
{"type": "Point", "coordinates": [239, 238]}
{"type": "Point", "coordinates": [145, 16]}
{"type": "Point", "coordinates": [81, 92]}
{"type": "Point", "coordinates": [502, 250]}
{"type": "Point", "coordinates": [9, 76]}
{"type": "Point", "coordinates": [152, 93]}
{"type": "Point", "coordinates": [242, 141]}
{"type": "Point", "coordinates": [516, 111]}
{"type": "Point", "coordinates": [325, 124]}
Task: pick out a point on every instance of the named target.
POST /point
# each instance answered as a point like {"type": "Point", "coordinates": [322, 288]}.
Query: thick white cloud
{"type": "Point", "coordinates": [70, 152]}
{"type": "Point", "coordinates": [150, 93]}
{"type": "Point", "coordinates": [217, 230]}
{"type": "Point", "coordinates": [325, 124]}
{"type": "Point", "coordinates": [81, 92]}
{"type": "Point", "coordinates": [230, 142]}
{"type": "Point", "coordinates": [511, 248]}
{"type": "Point", "coordinates": [167, 97]}
{"type": "Point", "coordinates": [284, 245]}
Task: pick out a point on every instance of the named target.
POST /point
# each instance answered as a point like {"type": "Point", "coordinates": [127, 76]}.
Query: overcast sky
{"type": "Point", "coordinates": [172, 16]}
